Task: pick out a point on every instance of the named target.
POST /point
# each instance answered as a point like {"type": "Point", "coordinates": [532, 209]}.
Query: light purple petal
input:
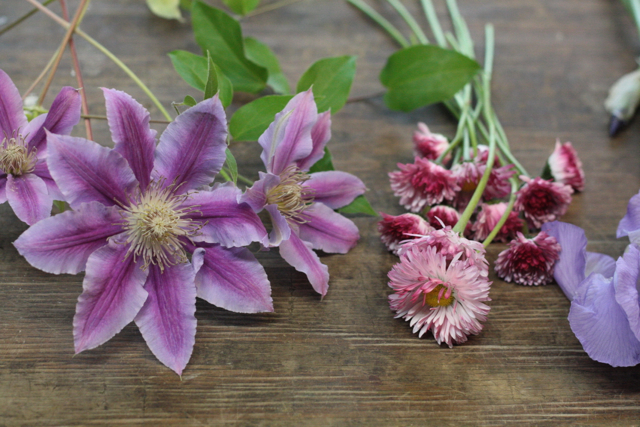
{"type": "Point", "coordinates": [631, 221]}
{"type": "Point", "coordinates": [328, 231]}
{"type": "Point", "coordinates": [625, 283]}
{"type": "Point", "coordinates": [85, 171]}
{"type": "Point", "coordinates": [192, 148]}
{"type": "Point", "coordinates": [63, 115]}
{"type": "Point", "coordinates": [300, 256]}
{"type": "Point", "coordinates": [3, 187]}
{"type": "Point", "coordinates": [112, 296]}
{"type": "Point", "coordinates": [34, 127]}
{"type": "Point", "coordinates": [226, 221]}
{"type": "Point", "coordinates": [29, 198]}
{"type": "Point", "coordinates": [600, 263]}
{"type": "Point", "coordinates": [63, 243]}
{"type": "Point", "coordinates": [280, 230]}
{"type": "Point", "coordinates": [320, 135]}
{"type": "Point", "coordinates": [129, 126]}
{"type": "Point", "coordinates": [42, 171]}
{"type": "Point", "coordinates": [569, 270]}
{"type": "Point", "coordinates": [12, 117]}
{"type": "Point", "coordinates": [335, 188]}
{"type": "Point", "coordinates": [288, 138]}
{"type": "Point", "coordinates": [232, 279]}
{"type": "Point", "coordinates": [167, 320]}
{"type": "Point", "coordinates": [602, 326]}
{"type": "Point", "coordinates": [256, 196]}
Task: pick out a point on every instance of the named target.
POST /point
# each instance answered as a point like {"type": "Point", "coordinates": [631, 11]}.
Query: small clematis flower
{"type": "Point", "coordinates": [542, 201]}
{"type": "Point", "coordinates": [566, 167]}
{"type": "Point", "coordinates": [396, 229]}
{"type": "Point", "coordinates": [148, 240]}
{"type": "Point", "coordinates": [24, 177]}
{"type": "Point", "coordinates": [422, 183]}
{"type": "Point", "coordinates": [429, 145]}
{"type": "Point", "coordinates": [529, 261]}
{"type": "Point", "coordinates": [440, 291]}
{"type": "Point", "coordinates": [301, 204]}
{"type": "Point", "coordinates": [488, 218]}
{"type": "Point", "coordinates": [442, 216]}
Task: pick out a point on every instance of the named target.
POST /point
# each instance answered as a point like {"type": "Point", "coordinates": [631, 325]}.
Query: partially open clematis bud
{"type": "Point", "coordinates": [566, 167]}
{"type": "Point", "coordinates": [429, 145]}
{"type": "Point", "coordinates": [529, 261]}
{"type": "Point", "coordinates": [488, 218]}
{"type": "Point", "coordinates": [623, 99]}
{"type": "Point", "coordinates": [395, 229]}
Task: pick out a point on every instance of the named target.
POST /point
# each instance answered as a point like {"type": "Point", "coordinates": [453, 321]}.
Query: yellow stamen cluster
{"type": "Point", "coordinates": [291, 197]}
{"type": "Point", "coordinates": [435, 297]}
{"type": "Point", "coordinates": [15, 157]}
{"type": "Point", "coordinates": [155, 221]}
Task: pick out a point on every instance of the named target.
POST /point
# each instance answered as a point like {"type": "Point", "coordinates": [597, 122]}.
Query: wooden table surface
{"type": "Point", "coordinates": [342, 361]}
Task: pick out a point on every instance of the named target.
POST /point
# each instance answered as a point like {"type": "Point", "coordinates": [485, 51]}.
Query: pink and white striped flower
{"type": "Point", "coordinates": [529, 261]}
{"type": "Point", "coordinates": [488, 218]}
{"type": "Point", "coordinates": [542, 200]}
{"type": "Point", "coordinates": [566, 167]}
{"type": "Point", "coordinates": [396, 229]}
{"type": "Point", "coordinates": [429, 145]}
{"type": "Point", "coordinates": [442, 216]}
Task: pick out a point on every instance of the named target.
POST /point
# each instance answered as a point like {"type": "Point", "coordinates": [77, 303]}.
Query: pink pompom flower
{"type": "Point", "coordinates": [427, 144]}
{"type": "Point", "coordinates": [442, 216]}
{"type": "Point", "coordinates": [542, 200]}
{"type": "Point", "coordinates": [488, 218]}
{"type": "Point", "coordinates": [529, 261]}
{"type": "Point", "coordinates": [566, 167]}
{"type": "Point", "coordinates": [395, 229]}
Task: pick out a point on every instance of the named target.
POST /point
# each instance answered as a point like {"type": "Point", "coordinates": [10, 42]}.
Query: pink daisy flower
{"type": "Point", "coordinates": [434, 293]}
{"type": "Point", "coordinates": [422, 183]}
{"type": "Point", "coordinates": [566, 167]}
{"type": "Point", "coordinates": [542, 200]}
{"type": "Point", "coordinates": [441, 214]}
{"type": "Point", "coordinates": [429, 145]}
{"type": "Point", "coordinates": [529, 261]}
{"type": "Point", "coordinates": [395, 229]}
{"type": "Point", "coordinates": [488, 218]}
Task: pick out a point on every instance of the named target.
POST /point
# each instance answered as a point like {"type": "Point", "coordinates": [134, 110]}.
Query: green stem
{"type": "Point", "coordinates": [404, 13]}
{"type": "Point", "coordinates": [380, 20]}
{"type": "Point", "coordinates": [505, 215]}
{"type": "Point", "coordinates": [434, 23]}
{"type": "Point", "coordinates": [460, 28]}
{"type": "Point", "coordinates": [245, 180]}
{"type": "Point", "coordinates": [270, 7]}
{"type": "Point", "coordinates": [24, 17]}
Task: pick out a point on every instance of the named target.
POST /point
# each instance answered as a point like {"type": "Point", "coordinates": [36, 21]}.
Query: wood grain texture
{"type": "Point", "coordinates": [342, 361]}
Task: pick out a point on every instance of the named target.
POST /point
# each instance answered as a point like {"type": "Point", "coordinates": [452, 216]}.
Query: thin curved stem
{"type": "Point", "coordinates": [382, 21]}
{"type": "Point", "coordinates": [24, 17]}
{"type": "Point", "coordinates": [505, 215]}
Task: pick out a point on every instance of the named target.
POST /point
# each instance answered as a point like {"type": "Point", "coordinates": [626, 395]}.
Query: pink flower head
{"type": "Point", "coordinates": [542, 200]}
{"type": "Point", "coordinates": [566, 167]}
{"type": "Point", "coordinates": [529, 261]}
{"type": "Point", "coordinates": [429, 145]}
{"type": "Point", "coordinates": [445, 296]}
{"type": "Point", "coordinates": [422, 183]}
{"type": "Point", "coordinates": [488, 218]}
{"type": "Point", "coordinates": [468, 175]}
{"type": "Point", "coordinates": [395, 229]}
{"type": "Point", "coordinates": [441, 214]}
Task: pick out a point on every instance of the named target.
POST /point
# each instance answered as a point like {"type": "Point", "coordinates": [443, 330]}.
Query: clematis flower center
{"type": "Point", "coordinates": [291, 197]}
{"type": "Point", "coordinates": [15, 157]}
{"type": "Point", "coordinates": [438, 297]}
{"type": "Point", "coordinates": [155, 221]}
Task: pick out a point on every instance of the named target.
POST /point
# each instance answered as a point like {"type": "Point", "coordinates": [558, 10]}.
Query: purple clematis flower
{"type": "Point", "coordinates": [605, 308]}
{"type": "Point", "coordinates": [24, 177]}
{"type": "Point", "coordinates": [137, 216]}
{"type": "Point", "coordinates": [301, 204]}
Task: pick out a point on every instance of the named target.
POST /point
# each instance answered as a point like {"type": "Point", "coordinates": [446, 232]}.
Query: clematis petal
{"type": "Point", "coordinates": [281, 229]}
{"type": "Point", "coordinates": [63, 243]}
{"type": "Point", "coordinates": [167, 320]}
{"type": "Point", "coordinates": [3, 187]}
{"type": "Point", "coordinates": [288, 138]}
{"type": "Point", "coordinates": [602, 326]}
{"type": "Point", "coordinates": [328, 231]}
{"type": "Point", "coordinates": [192, 148]}
{"type": "Point", "coordinates": [256, 196]}
{"type": "Point", "coordinates": [129, 126]}
{"type": "Point", "coordinates": [300, 256]}
{"type": "Point", "coordinates": [569, 270]}
{"type": "Point", "coordinates": [29, 197]}
{"type": "Point", "coordinates": [232, 279]}
{"type": "Point", "coordinates": [85, 171]}
{"type": "Point", "coordinates": [42, 171]}
{"type": "Point", "coordinates": [112, 296]}
{"type": "Point", "coordinates": [320, 135]}
{"type": "Point", "coordinates": [600, 263]}
{"type": "Point", "coordinates": [625, 284]}
{"type": "Point", "coordinates": [12, 117]}
{"type": "Point", "coordinates": [226, 221]}
{"type": "Point", "coordinates": [335, 188]}
{"type": "Point", "coordinates": [63, 115]}
{"type": "Point", "coordinates": [630, 223]}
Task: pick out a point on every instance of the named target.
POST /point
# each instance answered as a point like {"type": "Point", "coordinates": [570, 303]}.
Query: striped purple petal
{"type": "Point", "coordinates": [29, 197]}
{"type": "Point", "coordinates": [12, 117]}
{"type": "Point", "coordinates": [300, 256]}
{"type": "Point", "coordinates": [63, 115]}
{"type": "Point", "coordinates": [320, 135]}
{"type": "Point", "coordinates": [625, 282]}
{"type": "Point", "coordinates": [328, 231]}
{"type": "Point", "coordinates": [335, 188]}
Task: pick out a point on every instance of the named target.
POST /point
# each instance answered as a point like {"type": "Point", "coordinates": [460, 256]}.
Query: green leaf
{"type": "Point", "coordinates": [191, 67]}
{"type": "Point", "coordinates": [189, 100]}
{"type": "Point", "coordinates": [359, 205]}
{"type": "Point", "coordinates": [324, 164]}
{"type": "Point", "coordinates": [168, 9]}
{"type": "Point", "coordinates": [252, 119]}
{"type": "Point", "coordinates": [220, 34]}
{"type": "Point", "coordinates": [232, 165]}
{"type": "Point", "coordinates": [241, 7]}
{"type": "Point", "coordinates": [261, 54]}
{"type": "Point", "coordinates": [421, 75]}
{"type": "Point", "coordinates": [217, 82]}
{"type": "Point", "coordinates": [332, 79]}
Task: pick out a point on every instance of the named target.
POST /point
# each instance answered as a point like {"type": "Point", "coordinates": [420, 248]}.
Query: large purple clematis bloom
{"type": "Point", "coordinates": [136, 217]}
{"type": "Point", "coordinates": [605, 308]}
{"type": "Point", "coordinates": [24, 177]}
{"type": "Point", "coordinates": [301, 204]}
